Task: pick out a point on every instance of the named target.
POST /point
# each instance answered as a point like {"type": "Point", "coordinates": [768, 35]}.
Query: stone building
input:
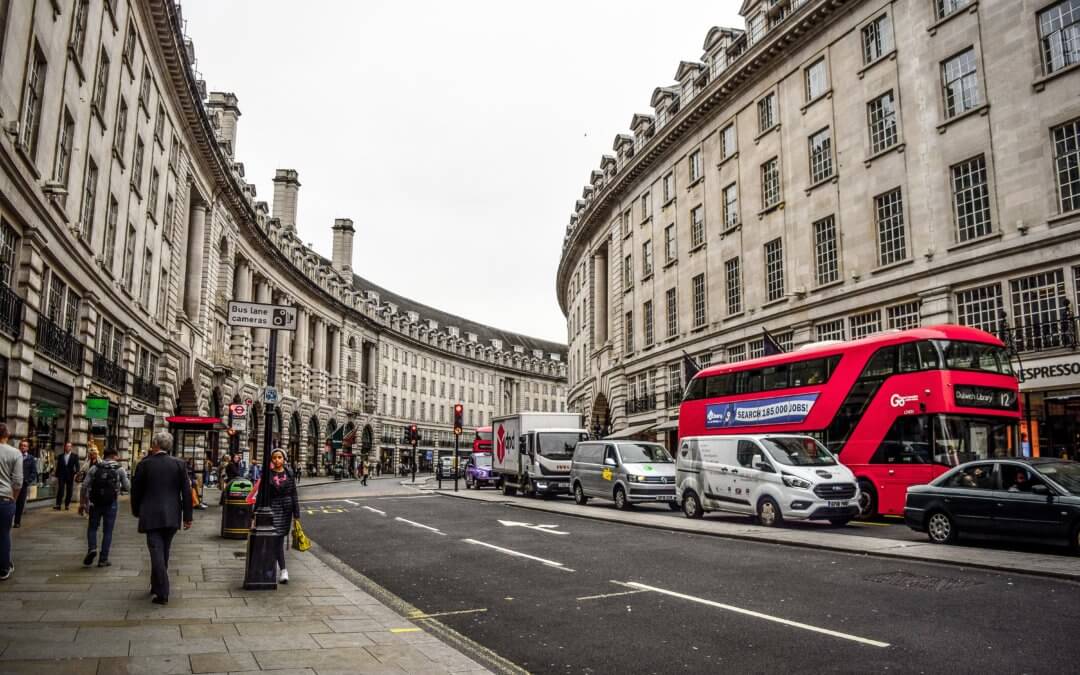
{"type": "Point", "coordinates": [126, 226]}
{"type": "Point", "coordinates": [832, 169]}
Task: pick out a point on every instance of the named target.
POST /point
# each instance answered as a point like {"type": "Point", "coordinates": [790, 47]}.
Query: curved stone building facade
{"type": "Point", "coordinates": [832, 169]}
{"type": "Point", "coordinates": [128, 225]}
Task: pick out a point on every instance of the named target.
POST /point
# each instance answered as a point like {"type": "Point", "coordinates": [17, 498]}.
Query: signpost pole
{"type": "Point", "coordinates": [457, 437]}
{"type": "Point", "coordinates": [414, 460]}
{"type": "Point", "coordinates": [260, 572]}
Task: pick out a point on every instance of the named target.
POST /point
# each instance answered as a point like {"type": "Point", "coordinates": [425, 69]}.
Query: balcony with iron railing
{"type": "Point", "coordinates": [145, 390]}
{"type": "Point", "coordinates": [1041, 336]}
{"type": "Point", "coordinates": [640, 404]}
{"type": "Point", "coordinates": [109, 373]}
{"type": "Point", "coordinates": [11, 311]}
{"type": "Point", "coordinates": [58, 344]}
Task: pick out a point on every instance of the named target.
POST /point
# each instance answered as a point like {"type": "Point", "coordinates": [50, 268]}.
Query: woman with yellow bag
{"type": "Point", "coordinates": [285, 505]}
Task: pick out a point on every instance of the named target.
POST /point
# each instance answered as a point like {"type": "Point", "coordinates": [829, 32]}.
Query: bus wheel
{"type": "Point", "coordinates": [691, 507]}
{"type": "Point", "coordinates": [579, 495]}
{"type": "Point", "coordinates": [508, 489]}
{"type": "Point", "coordinates": [768, 512]}
{"type": "Point", "coordinates": [867, 500]}
{"type": "Point", "coordinates": [621, 502]}
{"type": "Point", "coordinates": [940, 528]}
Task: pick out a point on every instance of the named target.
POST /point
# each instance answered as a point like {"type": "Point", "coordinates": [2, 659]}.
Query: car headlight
{"type": "Point", "coordinates": [792, 481]}
{"type": "Point", "coordinates": [639, 479]}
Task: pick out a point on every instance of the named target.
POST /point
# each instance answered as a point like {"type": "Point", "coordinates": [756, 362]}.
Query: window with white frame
{"type": "Point", "coordinates": [817, 80]}
{"type": "Point", "coordinates": [646, 207]}
{"type": "Point", "coordinates": [774, 269]}
{"type": "Point", "coordinates": [110, 341]}
{"type": "Point", "coordinates": [731, 206]}
{"type": "Point", "coordinates": [698, 295]}
{"type": "Point", "coordinates": [971, 199]}
{"type": "Point", "coordinates": [697, 226]}
{"type": "Point", "coordinates": [63, 149]}
{"type": "Point", "coordinates": [646, 259]}
{"type": "Point", "coordinates": [30, 125]}
{"type": "Point", "coordinates": [89, 200]}
{"type": "Point", "coordinates": [647, 322]}
{"type": "Point", "coordinates": [728, 143]}
{"type": "Point", "coordinates": [671, 251]}
{"type": "Point", "coordinates": [947, 7]}
{"type": "Point", "coordinates": [120, 139]}
{"type": "Point", "coordinates": [672, 310]}
{"type": "Point", "coordinates": [9, 240]}
{"type": "Point", "coordinates": [628, 330]}
{"type": "Point", "coordinates": [733, 281]}
{"type": "Point", "coordinates": [704, 359]}
{"type": "Point", "coordinates": [627, 227]}
{"type": "Point", "coordinates": [766, 109]}
{"type": "Point", "coordinates": [108, 246]}
{"type": "Point", "coordinates": [147, 276]}
{"type": "Point", "coordinates": [674, 381]}
{"type": "Point", "coordinates": [881, 113]}
{"type": "Point", "coordinates": [1059, 35]}
{"type": "Point", "coordinates": [129, 258]}
{"type": "Point", "coordinates": [830, 330]}
{"type": "Point", "coordinates": [770, 183]}
{"type": "Point", "coordinates": [902, 316]}
{"type": "Point", "coordinates": [78, 28]}
{"type": "Point", "coordinates": [1067, 164]}
{"type": "Point", "coordinates": [736, 353]}
{"type": "Point", "coordinates": [960, 79]}
{"type": "Point", "coordinates": [755, 348]}
{"type": "Point", "coordinates": [821, 161]}
{"type": "Point", "coordinates": [980, 307]}
{"type": "Point", "coordinates": [668, 187]}
{"type": "Point", "coordinates": [785, 340]}
{"type": "Point", "coordinates": [865, 324]}
{"type": "Point", "coordinates": [892, 238]}
{"type": "Point", "coordinates": [694, 166]}
{"type": "Point", "coordinates": [101, 83]}
{"type": "Point", "coordinates": [826, 252]}
{"type": "Point", "coordinates": [877, 39]}
{"type": "Point", "coordinates": [1038, 300]}
{"type": "Point", "coordinates": [628, 271]}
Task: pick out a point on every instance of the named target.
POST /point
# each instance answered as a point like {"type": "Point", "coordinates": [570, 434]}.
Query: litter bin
{"type": "Point", "coordinates": [236, 512]}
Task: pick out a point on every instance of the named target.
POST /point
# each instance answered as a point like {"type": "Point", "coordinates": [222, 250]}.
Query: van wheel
{"type": "Point", "coordinates": [867, 500]}
{"type": "Point", "coordinates": [691, 507]}
{"type": "Point", "coordinates": [621, 502]}
{"type": "Point", "coordinates": [579, 495]}
{"type": "Point", "coordinates": [940, 528]}
{"type": "Point", "coordinates": [508, 489]}
{"type": "Point", "coordinates": [468, 483]}
{"type": "Point", "coordinates": [768, 512]}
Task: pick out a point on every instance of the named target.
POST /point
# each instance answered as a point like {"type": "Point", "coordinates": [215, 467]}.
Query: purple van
{"type": "Point", "coordinates": [478, 472]}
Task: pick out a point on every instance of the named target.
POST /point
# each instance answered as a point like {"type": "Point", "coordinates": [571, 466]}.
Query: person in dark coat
{"type": "Point", "coordinates": [285, 505]}
{"type": "Point", "coordinates": [67, 465]}
{"type": "Point", "coordinates": [30, 476]}
{"type": "Point", "coordinates": [161, 500]}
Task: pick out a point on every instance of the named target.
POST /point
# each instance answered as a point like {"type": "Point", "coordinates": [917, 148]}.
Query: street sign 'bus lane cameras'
{"type": "Point", "coordinates": [259, 315]}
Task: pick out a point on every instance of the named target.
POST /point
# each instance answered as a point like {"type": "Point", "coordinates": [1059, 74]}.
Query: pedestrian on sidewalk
{"type": "Point", "coordinates": [285, 505]}
{"type": "Point", "coordinates": [30, 476]}
{"type": "Point", "coordinates": [100, 494]}
{"type": "Point", "coordinates": [11, 482]}
{"type": "Point", "coordinates": [364, 471]}
{"type": "Point", "coordinates": [161, 500]}
{"type": "Point", "coordinates": [67, 465]}
{"type": "Point", "coordinates": [233, 469]}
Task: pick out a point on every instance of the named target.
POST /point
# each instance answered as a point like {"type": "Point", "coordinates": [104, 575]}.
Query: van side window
{"type": "Point", "coordinates": [609, 453]}
{"type": "Point", "coordinates": [745, 453]}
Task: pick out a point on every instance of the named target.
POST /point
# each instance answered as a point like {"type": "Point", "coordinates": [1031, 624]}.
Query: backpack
{"type": "Point", "coordinates": [105, 485]}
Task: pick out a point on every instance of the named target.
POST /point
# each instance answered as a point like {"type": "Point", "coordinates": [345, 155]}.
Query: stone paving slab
{"type": "Point", "coordinates": [65, 619]}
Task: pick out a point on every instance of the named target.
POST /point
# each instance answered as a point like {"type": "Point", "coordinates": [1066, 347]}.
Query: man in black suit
{"type": "Point", "coordinates": [30, 476]}
{"type": "Point", "coordinates": [161, 500]}
{"type": "Point", "coordinates": [67, 465]}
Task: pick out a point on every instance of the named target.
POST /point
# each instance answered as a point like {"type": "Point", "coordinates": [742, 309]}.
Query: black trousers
{"type": "Point", "coordinates": [158, 542]}
{"type": "Point", "coordinates": [20, 503]}
{"type": "Point", "coordinates": [65, 487]}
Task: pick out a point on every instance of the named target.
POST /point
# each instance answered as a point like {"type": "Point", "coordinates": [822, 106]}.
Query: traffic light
{"type": "Point", "coordinates": [413, 435]}
{"type": "Point", "coordinates": [459, 418]}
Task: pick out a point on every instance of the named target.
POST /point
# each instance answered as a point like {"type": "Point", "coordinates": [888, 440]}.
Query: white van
{"type": "Point", "coordinates": [771, 476]}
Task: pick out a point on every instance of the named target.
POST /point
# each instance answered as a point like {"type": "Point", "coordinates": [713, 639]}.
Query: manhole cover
{"type": "Point", "coordinates": [921, 581]}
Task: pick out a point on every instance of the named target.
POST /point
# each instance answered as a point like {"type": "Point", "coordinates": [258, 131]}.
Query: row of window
{"type": "Point", "coordinates": [1036, 300]}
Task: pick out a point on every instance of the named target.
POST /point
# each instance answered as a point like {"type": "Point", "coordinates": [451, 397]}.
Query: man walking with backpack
{"type": "Point", "coordinates": [100, 492]}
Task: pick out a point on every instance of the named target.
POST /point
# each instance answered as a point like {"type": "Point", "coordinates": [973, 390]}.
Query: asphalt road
{"type": "Point", "coordinates": [607, 598]}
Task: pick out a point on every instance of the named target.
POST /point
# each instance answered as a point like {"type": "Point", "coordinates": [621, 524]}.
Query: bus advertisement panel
{"type": "Point", "coordinates": [898, 408]}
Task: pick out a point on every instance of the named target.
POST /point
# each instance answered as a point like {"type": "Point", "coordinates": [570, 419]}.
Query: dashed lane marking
{"type": "Point", "coordinates": [611, 595]}
{"type": "Point", "coordinates": [416, 524]}
{"type": "Point", "coordinates": [349, 501]}
{"type": "Point", "coordinates": [374, 510]}
{"type": "Point", "coordinates": [760, 615]}
{"type": "Point", "coordinates": [421, 616]}
{"type": "Point", "coordinates": [550, 563]}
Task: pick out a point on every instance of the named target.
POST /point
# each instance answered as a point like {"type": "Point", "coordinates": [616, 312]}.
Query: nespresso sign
{"type": "Point", "coordinates": [1049, 371]}
{"type": "Point", "coordinates": [985, 397]}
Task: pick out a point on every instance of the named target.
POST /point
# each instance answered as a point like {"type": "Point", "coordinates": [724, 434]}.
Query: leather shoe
{"type": "Point", "coordinates": [160, 601]}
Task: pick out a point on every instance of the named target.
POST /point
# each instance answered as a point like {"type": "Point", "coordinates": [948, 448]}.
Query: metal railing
{"type": "Point", "coordinates": [11, 311]}
{"type": "Point", "coordinates": [109, 372]}
{"type": "Point", "coordinates": [145, 390]}
{"type": "Point", "coordinates": [639, 404]}
{"type": "Point", "coordinates": [57, 343]}
{"type": "Point", "coordinates": [1038, 336]}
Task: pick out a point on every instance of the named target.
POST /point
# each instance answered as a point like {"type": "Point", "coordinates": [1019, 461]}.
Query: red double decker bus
{"type": "Point", "coordinates": [482, 440]}
{"type": "Point", "coordinates": [898, 408]}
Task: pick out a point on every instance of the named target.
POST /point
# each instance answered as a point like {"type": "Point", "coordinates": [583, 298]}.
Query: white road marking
{"type": "Point", "coordinates": [415, 524]}
{"type": "Point", "coordinates": [381, 513]}
{"type": "Point", "coordinates": [418, 617]}
{"type": "Point", "coordinates": [611, 595]}
{"type": "Point", "coordinates": [507, 551]}
{"type": "Point", "coordinates": [352, 502]}
{"type": "Point", "coordinates": [539, 528]}
{"type": "Point", "coordinates": [759, 615]}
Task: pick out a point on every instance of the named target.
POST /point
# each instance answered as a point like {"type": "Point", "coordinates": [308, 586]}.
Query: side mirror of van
{"type": "Point", "coordinates": [610, 461]}
{"type": "Point", "coordinates": [759, 463]}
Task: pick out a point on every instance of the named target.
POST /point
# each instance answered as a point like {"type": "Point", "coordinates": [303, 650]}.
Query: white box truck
{"type": "Point", "coordinates": [532, 451]}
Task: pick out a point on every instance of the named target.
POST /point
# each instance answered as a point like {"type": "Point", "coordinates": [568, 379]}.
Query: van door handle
{"type": "Point", "coordinates": [734, 471]}
{"type": "Point", "coordinates": [723, 470]}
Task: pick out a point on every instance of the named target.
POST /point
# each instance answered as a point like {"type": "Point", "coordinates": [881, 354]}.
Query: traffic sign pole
{"type": "Point", "coordinates": [260, 573]}
{"type": "Point", "coordinates": [457, 437]}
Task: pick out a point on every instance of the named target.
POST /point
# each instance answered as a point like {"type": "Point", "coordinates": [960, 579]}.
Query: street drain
{"type": "Point", "coordinates": [924, 582]}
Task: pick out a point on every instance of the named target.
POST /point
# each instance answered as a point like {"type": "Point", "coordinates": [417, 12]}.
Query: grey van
{"type": "Point", "coordinates": [626, 472]}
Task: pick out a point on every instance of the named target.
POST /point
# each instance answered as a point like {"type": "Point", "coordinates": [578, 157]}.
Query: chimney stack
{"type": "Point", "coordinates": [224, 106]}
{"type": "Point", "coordinates": [343, 249]}
{"type": "Point", "coordinates": [286, 192]}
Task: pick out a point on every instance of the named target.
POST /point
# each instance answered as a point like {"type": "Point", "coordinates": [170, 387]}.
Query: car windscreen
{"type": "Point", "coordinates": [644, 453]}
{"type": "Point", "coordinates": [795, 451]}
{"type": "Point", "coordinates": [483, 461]}
{"type": "Point", "coordinates": [1065, 474]}
{"type": "Point", "coordinates": [558, 445]}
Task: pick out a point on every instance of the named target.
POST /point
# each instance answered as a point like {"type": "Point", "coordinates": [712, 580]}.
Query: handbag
{"type": "Point", "coordinates": [300, 541]}
{"type": "Point", "coordinates": [253, 495]}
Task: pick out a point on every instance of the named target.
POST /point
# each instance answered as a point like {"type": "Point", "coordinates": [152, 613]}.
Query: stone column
{"type": "Point", "coordinates": [241, 291]}
{"type": "Point", "coordinates": [194, 274]}
{"type": "Point", "coordinates": [261, 336]}
{"type": "Point", "coordinates": [318, 368]}
{"type": "Point", "coordinates": [87, 332]}
{"type": "Point", "coordinates": [335, 363]}
{"type": "Point", "coordinates": [300, 366]}
{"type": "Point", "coordinates": [936, 306]}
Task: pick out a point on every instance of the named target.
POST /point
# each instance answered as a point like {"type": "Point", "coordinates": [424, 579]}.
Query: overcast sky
{"type": "Point", "coordinates": [456, 135]}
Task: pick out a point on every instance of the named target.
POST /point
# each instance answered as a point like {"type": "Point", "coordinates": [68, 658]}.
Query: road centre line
{"type": "Point", "coordinates": [759, 615]}
{"type": "Point", "coordinates": [416, 524]}
{"type": "Point", "coordinates": [507, 551]}
{"type": "Point", "coordinates": [420, 617]}
{"type": "Point", "coordinates": [369, 508]}
{"type": "Point", "coordinates": [612, 595]}
{"type": "Point", "coordinates": [352, 502]}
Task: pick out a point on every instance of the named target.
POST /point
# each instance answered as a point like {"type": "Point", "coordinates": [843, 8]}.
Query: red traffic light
{"type": "Point", "coordinates": [459, 418]}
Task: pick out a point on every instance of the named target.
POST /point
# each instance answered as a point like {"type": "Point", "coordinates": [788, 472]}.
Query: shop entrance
{"type": "Point", "coordinates": [49, 425]}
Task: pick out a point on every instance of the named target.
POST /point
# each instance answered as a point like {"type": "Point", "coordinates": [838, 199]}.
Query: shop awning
{"type": "Point", "coordinates": [630, 432]}
{"type": "Point", "coordinates": [670, 425]}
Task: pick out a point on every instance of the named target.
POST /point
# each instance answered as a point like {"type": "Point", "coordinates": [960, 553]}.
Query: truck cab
{"type": "Point", "coordinates": [533, 452]}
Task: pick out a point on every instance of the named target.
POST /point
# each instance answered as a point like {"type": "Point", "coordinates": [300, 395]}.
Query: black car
{"type": "Point", "coordinates": [1031, 498]}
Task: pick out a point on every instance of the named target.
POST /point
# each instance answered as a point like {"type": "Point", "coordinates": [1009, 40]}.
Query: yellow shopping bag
{"type": "Point", "coordinates": [300, 542]}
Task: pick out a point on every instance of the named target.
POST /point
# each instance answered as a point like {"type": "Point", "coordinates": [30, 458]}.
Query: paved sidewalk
{"type": "Point", "coordinates": [60, 618]}
{"type": "Point", "coordinates": [1061, 566]}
